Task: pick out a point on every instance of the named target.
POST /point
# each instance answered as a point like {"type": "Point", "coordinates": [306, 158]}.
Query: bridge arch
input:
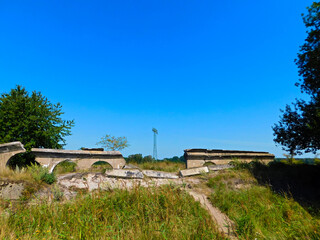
{"type": "Point", "coordinates": [56, 164]}
{"type": "Point", "coordinates": [8, 150]}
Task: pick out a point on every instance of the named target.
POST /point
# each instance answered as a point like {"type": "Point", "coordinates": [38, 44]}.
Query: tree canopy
{"type": "Point", "coordinates": [298, 130]}
{"type": "Point", "coordinates": [32, 119]}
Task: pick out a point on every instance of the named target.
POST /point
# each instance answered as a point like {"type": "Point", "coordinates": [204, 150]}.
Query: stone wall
{"type": "Point", "coordinates": [198, 157]}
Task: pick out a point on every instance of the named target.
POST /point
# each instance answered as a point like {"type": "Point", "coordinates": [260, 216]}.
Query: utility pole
{"type": "Point", "coordinates": [155, 133]}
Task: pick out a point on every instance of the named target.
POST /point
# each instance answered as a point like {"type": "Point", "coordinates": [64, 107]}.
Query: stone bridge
{"type": "Point", "coordinates": [83, 158]}
{"type": "Point", "coordinates": [7, 150]}
{"type": "Point", "coordinates": [50, 158]}
{"type": "Point", "coordinates": [198, 157]}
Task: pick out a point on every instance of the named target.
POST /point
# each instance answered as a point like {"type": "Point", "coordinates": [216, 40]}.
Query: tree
{"type": "Point", "coordinates": [298, 130]}
{"type": "Point", "coordinates": [32, 119]}
{"type": "Point", "coordinates": [113, 143]}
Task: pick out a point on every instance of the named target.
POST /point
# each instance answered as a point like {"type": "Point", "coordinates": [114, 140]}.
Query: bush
{"type": "Point", "coordinates": [41, 174]}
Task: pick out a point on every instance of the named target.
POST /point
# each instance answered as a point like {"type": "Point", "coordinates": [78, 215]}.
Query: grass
{"type": "Point", "coordinates": [257, 211]}
{"type": "Point", "coordinates": [65, 167]}
{"type": "Point", "coordinates": [16, 175]}
{"type": "Point", "coordinates": [32, 174]}
{"type": "Point", "coordinates": [162, 213]}
{"type": "Point", "coordinates": [165, 166]}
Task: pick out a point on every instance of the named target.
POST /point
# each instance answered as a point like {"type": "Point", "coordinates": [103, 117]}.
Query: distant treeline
{"type": "Point", "coordinates": [138, 158]}
{"type": "Point", "coordinates": [300, 160]}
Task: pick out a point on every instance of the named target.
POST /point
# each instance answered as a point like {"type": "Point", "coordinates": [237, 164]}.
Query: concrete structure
{"type": "Point", "coordinates": [8, 150]}
{"type": "Point", "coordinates": [84, 159]}
{"type": "Point", "coordinates": [159, 174]}
{"type": "Point", "coordinates": [219, 167]}
{"type": "Point", "coordinates": [198, 157]}
{"type": "Point", "coordinates": [193, 171]}
{"type": "Point", "coordinates": [125, 173]}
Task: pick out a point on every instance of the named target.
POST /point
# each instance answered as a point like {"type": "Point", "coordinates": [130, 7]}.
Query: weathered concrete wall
{"type": "Point", "coordinates": [198, 157]}
{"type": "Point", "coordinates": [84, 159]}
{"type": "Point", "coordinates": [7, 150]}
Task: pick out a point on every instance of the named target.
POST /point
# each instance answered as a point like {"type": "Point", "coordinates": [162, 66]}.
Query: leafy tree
{"type": "Point", "coordinates": [32, 119]}
{"type": "Point", "coordinates": [113, 143]}
{"type": "Point", "coordinates": [135, 158]}
{"type": "Point", "coordinates": [299, 128]}
{"type": "Point", "coordinates": [148, 158]}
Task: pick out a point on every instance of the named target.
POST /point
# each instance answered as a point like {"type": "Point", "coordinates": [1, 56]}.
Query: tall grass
{"type": "Point", "coordinates": [32, 174]}
{"type": "Point", "coordinates": [162, 213]}
{"type": "Point", "coordinates": [259, 212]}
{"type": "Point", "coordinates": [165, 166]}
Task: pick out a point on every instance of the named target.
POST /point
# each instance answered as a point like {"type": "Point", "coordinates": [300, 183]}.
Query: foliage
{"type": "Point", "coordinates": [135, 158]}
{"type": "Point", "coordinates": [161, 165]}
{"type": "Point", "coordinates": [32, 120]}
{"type": "Point", "coordinates": [138, 158]}
{"type": "Point", "coordinates": [113, 143]}
{"type": "Point", "coordinates": [21, 160]}
{"type": "Point", "coordinates": [296, 179]}
{"type": "Point", "coordinates": [65, 167]}
{"type": "Point", "coordinates": [162, 213]}
{"type": "Point", "coordinates": [57, 193]}
{"type": "Point", "coordinates": [258, 212]}
{"type": "Point", "coordinates": [299, 128]}
{"type": "Point", "coordinates": [100, 166]}
{"type": "Point", "coordinates": [41, 174]}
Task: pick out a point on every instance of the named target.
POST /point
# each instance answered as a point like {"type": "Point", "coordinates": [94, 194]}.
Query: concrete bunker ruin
{"type": "Point", "coordinates": [199, 157]}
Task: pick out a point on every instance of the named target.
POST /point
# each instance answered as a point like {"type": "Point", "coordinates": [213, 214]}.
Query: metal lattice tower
{"type": "Point", "coordinates": [155, 133]}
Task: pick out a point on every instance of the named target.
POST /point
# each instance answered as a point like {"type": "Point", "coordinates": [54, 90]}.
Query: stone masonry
{"type": "Point", "coordinates": [198, 157]}
{"type": "Point", "coordinates": [7, 150]}
{"type": "Point", "coordinates": [84, 159]}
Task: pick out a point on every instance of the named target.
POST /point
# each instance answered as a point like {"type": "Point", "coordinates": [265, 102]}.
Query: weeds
{"type": "Point", "coordinates": [165, 166]}
{"type": "Point", "coordinates": [40, 173]}
{"type": "Point", "coordinates": [162, 213]}
{"type": "Point", "coordinates": [259, 212]}
{"type": "Point", "coordinates": [32, 174]}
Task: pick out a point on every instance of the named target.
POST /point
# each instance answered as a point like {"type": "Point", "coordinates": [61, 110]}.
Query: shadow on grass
{"type": "Point", "coordinates": [300, 181]}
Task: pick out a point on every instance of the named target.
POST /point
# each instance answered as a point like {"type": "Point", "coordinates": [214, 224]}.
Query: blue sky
{"type": "Point", "coordinates": [206, 74]}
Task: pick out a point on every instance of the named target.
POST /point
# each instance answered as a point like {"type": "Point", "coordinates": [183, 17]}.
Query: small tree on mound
{"type": "Point", "coordinates": [113, 143]}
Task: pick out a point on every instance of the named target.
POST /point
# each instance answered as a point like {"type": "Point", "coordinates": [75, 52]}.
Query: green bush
{"type": "Point", "coordinates": [41, 174]}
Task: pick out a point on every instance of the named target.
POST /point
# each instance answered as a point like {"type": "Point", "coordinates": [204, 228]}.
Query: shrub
{"type": "Point", "coordinates": [41, 174]}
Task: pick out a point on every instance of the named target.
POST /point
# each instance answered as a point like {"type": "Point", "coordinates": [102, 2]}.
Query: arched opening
{"type": "Point", "coordinates": [100, 166]}
{"type": "Point", "coordinates": [207, 164]}
{"type": "Point", "coordinates": [65, 166]}
{"type": "Point", "coordinates": [21, 160]}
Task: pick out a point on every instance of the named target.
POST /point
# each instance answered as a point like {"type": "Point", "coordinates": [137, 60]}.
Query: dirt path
{"type": "Point", "coordinates": [225, 225]}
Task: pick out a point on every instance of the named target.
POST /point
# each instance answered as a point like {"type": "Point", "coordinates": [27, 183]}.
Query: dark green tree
{"type": "Point", "coordinates": [32, 119]}
{"type": "Point", "coordinates": [298, 130]}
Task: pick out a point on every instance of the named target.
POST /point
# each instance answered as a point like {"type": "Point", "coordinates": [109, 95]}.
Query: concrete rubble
{"type": "Point", "coordinates": [219, 167]}
{"type": "Point", "coordinates": [11, 190]}
{"type": "Point", "coordinates": [159, 174]}
{"type": "Point", "coordinates": [124, 173]}
{"type": "Point", "coordinates": [193, 171]}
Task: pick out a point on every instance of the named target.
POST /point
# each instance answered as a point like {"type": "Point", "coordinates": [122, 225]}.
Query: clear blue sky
{"type": "Point", "coordinates": [206, 74]}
